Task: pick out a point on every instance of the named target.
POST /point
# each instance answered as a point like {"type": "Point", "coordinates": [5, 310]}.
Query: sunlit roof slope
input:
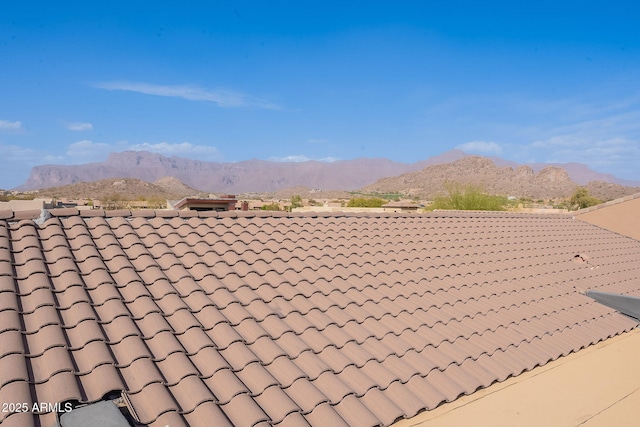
{"type": "Point", "coordinates": [620, 215]}
{"type": "Point", "coordinates": [285, 319]}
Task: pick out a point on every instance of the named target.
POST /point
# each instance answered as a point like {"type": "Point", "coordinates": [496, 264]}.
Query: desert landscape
{"type": "Point", "coordinates": [146, 180]}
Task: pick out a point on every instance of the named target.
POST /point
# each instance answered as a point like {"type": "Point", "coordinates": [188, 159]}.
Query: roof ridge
{"type": "Point", "coordinates": [33, 214]}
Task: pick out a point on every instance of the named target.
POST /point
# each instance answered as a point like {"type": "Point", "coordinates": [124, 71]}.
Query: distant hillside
{"type": "Point", "coordinates": [124, 188]}
{"type": "Point", "coordinates": [549, 182]}
{"type": "Point", "coordinates": [578, 172]}
{"type": "Point", "coordinates": [174, 187]}
{"type": "Point", "coordinates": [607, 191]}
{"type": "Point", "coordinates": [263, 176]}
{"type": "Point", "coordinates": [246, 176]}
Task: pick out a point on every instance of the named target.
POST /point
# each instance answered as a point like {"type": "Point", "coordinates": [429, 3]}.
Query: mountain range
{"type": "Point", "coordinates": [122, 189]}
{"type": "Point", "coordinates": [269, 176]}
{"type": "Point", "coordinates": [548, 183]}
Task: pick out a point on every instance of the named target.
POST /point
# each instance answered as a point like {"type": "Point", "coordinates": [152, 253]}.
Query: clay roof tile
{"type": "Point", "coordinates": [289, 319]}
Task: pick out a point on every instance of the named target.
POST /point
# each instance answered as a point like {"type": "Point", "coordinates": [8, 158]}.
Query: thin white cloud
{"type": "Point", "coordinates": [18, 161]}
{"type": "Point", "coordinates": [603, 140]}
{"type": "Point", "coordinates": [6, 125]}
{"type": "Point", "coordinates": [14, 153]}
{"type": "Point", "coordinates": [221, 97]}
{"type": "Point", "coordinates": [203, 152]}
{"type": "Point", "coordinates": [79, 126]}
{"type": "Point", "coordinates": [606, 152]}
{"type": "Point", "coordinates": [484, 147]}
{"type": "Point", "coordinates": [620, 123]}
{"type": "Point", "coordinates": [302, 158]}
{"type": "Point", "coordinates": [87, 150]}
{"type": "Point", "coordinates": [90, 151]}
{"type": "Point", "coordinates": [559, 141]}
{"type": "Point", "coordinates": [612, 154]}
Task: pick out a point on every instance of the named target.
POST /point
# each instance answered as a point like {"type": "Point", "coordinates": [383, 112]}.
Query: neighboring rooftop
{"type": "Point", "coordinates": [401, 206]}
{"type": "Point", "coordinates": [620, 215]}
{"type": "Point", "coordinates": [243, 318]}
{"type": "Point", "coordinates": [222, 203]}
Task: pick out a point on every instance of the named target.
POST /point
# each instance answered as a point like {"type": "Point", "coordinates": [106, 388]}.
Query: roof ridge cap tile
{"type": "Point", "coordinates": [30, 214]}
{"type": "Point", "coordinates": [6, 214]}
{"type": "Point", "coordinates": [168, 213]}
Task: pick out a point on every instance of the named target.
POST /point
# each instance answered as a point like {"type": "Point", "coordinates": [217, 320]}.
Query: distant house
{"type": "Point", "coordinates": [255, 205]}
{"type": "Point", "coordinates": [23, 205]}
{"type": "Point", "coordinates": [401, 206]}
{"type": "Point", "coordinates": [225, 202]}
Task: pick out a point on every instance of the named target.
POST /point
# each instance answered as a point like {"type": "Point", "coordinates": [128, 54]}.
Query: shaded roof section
{"type": "Point", "coordinates": [321, 319]}
{"type": "Point", "coordinates": [620, 215]}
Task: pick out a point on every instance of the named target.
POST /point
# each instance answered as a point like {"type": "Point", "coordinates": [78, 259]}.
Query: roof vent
{"type": "Point", "coordinates": [99, 414]}
{"type": "Point", "coordinates": [44, 215]}
{"type": "Point", "coordinates": [581, 258]}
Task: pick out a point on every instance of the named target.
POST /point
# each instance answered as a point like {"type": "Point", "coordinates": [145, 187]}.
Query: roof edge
{"type": "Point", "coordinates": [607, 204]}
{"type": "Point", "coordinates": [15, 216]}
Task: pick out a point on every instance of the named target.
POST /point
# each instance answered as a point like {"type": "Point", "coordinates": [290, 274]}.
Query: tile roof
{"type": "Point", "coordinates": [294, 319]}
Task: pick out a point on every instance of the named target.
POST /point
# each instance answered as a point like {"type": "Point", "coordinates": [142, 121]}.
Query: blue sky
{"type": "Point", "coordinates": [294, 80]}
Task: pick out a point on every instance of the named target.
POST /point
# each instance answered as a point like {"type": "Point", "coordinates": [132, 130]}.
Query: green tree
{"type": "Point", "coordinates": [582, 199]}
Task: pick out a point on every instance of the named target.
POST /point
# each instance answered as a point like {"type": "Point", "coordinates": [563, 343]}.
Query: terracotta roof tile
{"type": "Point", "coordinates": [355, 413]}
{"type": "Point", "coordinates": [243, 410]}
{"type": "Point", "coordinates": [190, 392]}
{"type": "Point", "coordinates": [290, 319]}
{"type": "Point", "coordinates": [163, 344]}
{"type": "Point", "coordinates": [207, 413]}
{"type": "Point", "coordinates": [162, 400]}
{"type": "Point", "coordinates": [208, 361]}
{"type": "Point", "coordinates": [325, 414]}
{"type": "Point", "coordinates": [139, 374]}
{"type": "Point", "coordinates": [33, 321]}
{"type": "Point", "coordinates": [16, 391]}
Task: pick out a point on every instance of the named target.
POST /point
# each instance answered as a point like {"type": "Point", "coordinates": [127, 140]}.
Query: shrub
{"type": "Point", "coordinates": [582, 199]}
{"type": "Point", "coordinates": [271, 207]}
{"type": "Point", "coordinates": [366, 202]}
{"type": "Point", "coordinates": [296, 201]}
{"type": "Point", "coordinates": [468, 197]}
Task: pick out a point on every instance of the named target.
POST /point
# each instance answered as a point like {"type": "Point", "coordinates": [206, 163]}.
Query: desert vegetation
{"type": "Point", "coordinates": [271, 207]}
{"type": "Point", "coordinates": [582, 199]}
{"type": "Point", "coordinates": [296, 201]}
{"type": "Point", "coordinates": [366, 202]}
{"type": "Point", "coordinates": [468, 197]}
{"type": "Point", "coordinates": [5, 196]}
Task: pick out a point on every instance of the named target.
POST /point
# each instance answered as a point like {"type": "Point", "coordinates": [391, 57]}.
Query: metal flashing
{"type": "Point", "coordinates": [625, 304]}
{"type": "Point", "coordinates": [99, 414]}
